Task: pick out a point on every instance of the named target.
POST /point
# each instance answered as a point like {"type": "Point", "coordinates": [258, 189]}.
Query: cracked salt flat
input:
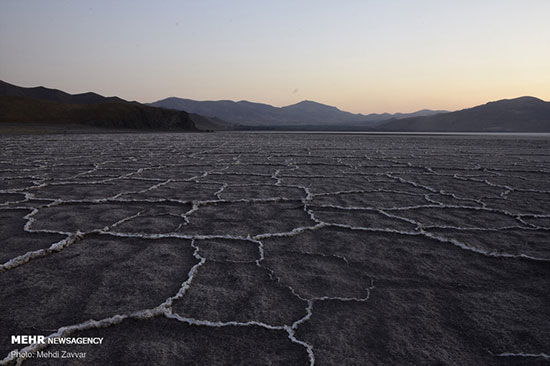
{"type": "Point", "coordinates": [225, 249]}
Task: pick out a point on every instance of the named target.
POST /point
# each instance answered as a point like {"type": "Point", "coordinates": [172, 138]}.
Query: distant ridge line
{"type": "Point", "coordinates": [254, 114]}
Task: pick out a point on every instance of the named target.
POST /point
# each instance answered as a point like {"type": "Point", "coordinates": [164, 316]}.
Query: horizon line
{"type": "Point", "coordinates": [277, 106]}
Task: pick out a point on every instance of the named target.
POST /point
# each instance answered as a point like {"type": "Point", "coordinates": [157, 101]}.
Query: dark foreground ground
{"type": "Point", "coordinates": [274, 249]}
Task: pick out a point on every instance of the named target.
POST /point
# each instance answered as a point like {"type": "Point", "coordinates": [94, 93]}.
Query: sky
{"type": "Point", "coordinates": [367, 56]}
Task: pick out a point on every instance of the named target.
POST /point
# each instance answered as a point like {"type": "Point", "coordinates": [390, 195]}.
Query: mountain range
{"type": "Point", "coordinates": [53, 106]}
{"type": "Point", "coordinates": [523, 114]}
{"type": "Point", "coordinates": [305, 113]}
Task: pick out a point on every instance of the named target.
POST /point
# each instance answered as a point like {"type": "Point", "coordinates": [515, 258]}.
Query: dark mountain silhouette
{"type": "Point", "coordinates": [55, 95]}
{"type": "Point", "coordinates": [311, 112]}
{"type": "Point", "coordinates": [524, 114]}
{"type": "Point", "coordinates": [305, 113]}
{"type": "Point", "coordinates": [107, 115]}
{"type": "Point", "coordinates": [243, 112]}
{"type": "Point", "coordinates": [44, 105]}
{"type": "Point", "coordinates": [52, 106]}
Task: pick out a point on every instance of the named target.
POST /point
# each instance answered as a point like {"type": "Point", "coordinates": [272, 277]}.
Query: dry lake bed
{"type": "Point", "coordinates": [275, 249]}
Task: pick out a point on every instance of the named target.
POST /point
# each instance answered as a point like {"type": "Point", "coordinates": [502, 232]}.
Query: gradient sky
{"type": "Point", "coordinates": [361, 56]}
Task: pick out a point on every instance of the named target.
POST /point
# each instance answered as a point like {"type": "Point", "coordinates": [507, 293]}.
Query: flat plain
{"type": "Point", "coordinates": [277, 249]}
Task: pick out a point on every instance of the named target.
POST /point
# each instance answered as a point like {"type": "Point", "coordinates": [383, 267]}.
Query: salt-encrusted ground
{"type": "Point", "coordinates": [277, 249]}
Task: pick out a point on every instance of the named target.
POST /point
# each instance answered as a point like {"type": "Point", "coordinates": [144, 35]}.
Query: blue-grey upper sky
{"type": "Point", "coordinates": [362, 56]}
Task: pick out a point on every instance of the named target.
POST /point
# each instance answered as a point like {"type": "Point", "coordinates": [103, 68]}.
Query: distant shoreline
{"type": "Point", "coordinates": [7, 128]}
{"type": "Point", "coordinates": [426, 133]}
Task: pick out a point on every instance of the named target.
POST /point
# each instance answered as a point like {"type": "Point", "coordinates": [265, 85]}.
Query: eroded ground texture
{"type": "Point", "coordinates": [277, 249]}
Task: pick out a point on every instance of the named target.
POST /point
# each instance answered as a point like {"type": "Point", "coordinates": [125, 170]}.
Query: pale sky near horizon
{"type": "Point", "coordinates": [360, 56]}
